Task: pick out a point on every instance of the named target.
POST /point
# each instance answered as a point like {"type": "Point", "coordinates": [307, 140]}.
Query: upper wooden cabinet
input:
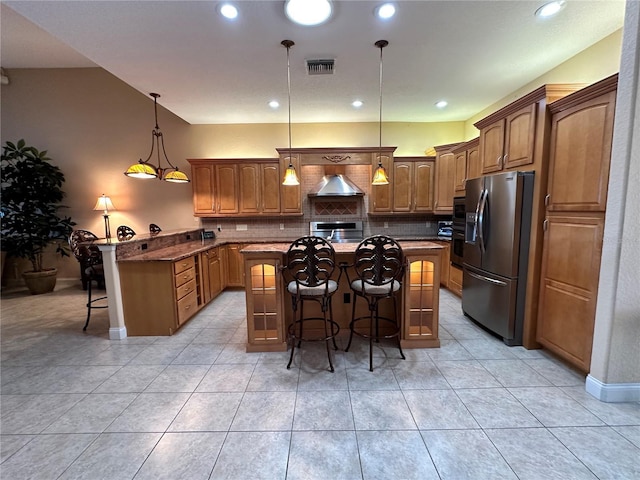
{"type": "Point", "coordinates": [466, 165]}
{"type": "Point", "coordinates": [413, 184]}
{"type": "Point", "coordinates": [237, 187]}
{"type": "Point", "coordinates": [580, 153]}
{"type": "Point", "coordinates": [444, 178]}
{"type": "Point", "coordinates": [291, 195]}
{"type": "Point", "coordinates": [381, 198]}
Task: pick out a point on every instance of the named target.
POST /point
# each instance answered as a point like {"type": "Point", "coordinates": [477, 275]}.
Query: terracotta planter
{"type": "Point", "coordinates": [40, 282]}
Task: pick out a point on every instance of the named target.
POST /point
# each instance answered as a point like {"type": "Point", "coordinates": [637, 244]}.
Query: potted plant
{"type": "Point", "coordinates": [31, 192]}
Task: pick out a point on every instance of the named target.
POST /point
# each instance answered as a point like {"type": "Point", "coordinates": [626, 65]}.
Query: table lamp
{"type": "Point", "coordinates": [104, 203]}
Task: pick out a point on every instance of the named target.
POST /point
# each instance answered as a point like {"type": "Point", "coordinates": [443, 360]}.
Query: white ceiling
{"type": "Point", "coordinates": [210, 70]}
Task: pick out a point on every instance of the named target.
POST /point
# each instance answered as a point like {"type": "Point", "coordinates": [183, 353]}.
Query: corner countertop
{"type": "Point", "coordinates": [264, 245]}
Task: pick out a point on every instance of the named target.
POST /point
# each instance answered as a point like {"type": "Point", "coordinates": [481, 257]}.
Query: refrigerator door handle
{"type": "Point", "coordinates": [487, 279]}
{"type": "Point", "coordinates": [480, 216]}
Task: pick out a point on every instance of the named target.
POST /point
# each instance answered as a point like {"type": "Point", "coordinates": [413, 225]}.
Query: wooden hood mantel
{"type": "Point", "coordinates": [337, 155]}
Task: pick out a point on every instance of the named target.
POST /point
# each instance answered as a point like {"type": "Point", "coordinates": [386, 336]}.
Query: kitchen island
{"type": "Point", "coordinates": [269, 309]}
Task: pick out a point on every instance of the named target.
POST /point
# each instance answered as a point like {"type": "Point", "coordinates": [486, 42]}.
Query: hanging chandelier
{"type": "Point", "coordinates": [290, 175]}
{"type": "Point", "coordinates": [380, 176]}
{"type": "Point", "coordinates": [146, 169]}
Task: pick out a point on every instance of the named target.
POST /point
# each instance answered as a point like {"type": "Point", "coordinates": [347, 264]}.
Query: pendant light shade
{"type": "Point", "coordinates": [380, 176]}
{"type": "Point", "coordinates": [290, 175]}
{"type": "Point", "coordinates": [146, 169]}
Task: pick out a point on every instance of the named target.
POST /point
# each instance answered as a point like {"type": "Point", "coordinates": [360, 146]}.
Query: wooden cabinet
{"type": "Point", "coordinates": [264, 299]}
{"type": "Point", "coordinates": [580, 152]}
{"type": "Point", "coordinates": [421, 297]}
{"type": "Point", "coordinates": [466, 165]}
{"type": "Point", "coordinates": [455, 280]}
{"type": "Point", "coordinates": [380, 200]}
{"type": "Point", "coordinates": [158, 297]}
{"type": "Point", "coordinates": [212, 273]}
{"type": "Point", "coordinates": [203, 188]}
{"type": "Point", "coordinates": [445, 263]}
{"type": "Point", "coordinates": [291, 195]}
{"type": "Point", "coordinates": [509, 142]}
{"type": "Point", "coordinates": [238, 187]}
{"type": "Point", "coordinates": [235, 265]}
{"type": "Point", "coordinates": [413, 184]}
{"type": "Point", "coordinates": [259, 188]}
{"type": "Point", "coordinates": [444, 179]}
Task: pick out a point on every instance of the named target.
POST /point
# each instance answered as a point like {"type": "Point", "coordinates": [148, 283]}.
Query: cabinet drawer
{"type": "Point", "coordinates": [182, 265]}
{"type": "Point", "coordinates": [185, 288]}
{"type": "Point", "coordinates": [185, 276]}
{"type": "Point", "coordinates": [187, 306]}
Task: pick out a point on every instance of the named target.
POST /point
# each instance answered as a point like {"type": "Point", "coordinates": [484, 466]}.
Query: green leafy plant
{"type": "Point", "coordinates": [31, 192]}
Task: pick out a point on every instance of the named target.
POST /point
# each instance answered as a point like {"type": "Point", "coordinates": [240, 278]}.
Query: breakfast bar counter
{"type": "Point", "coordinates": [269, 309]}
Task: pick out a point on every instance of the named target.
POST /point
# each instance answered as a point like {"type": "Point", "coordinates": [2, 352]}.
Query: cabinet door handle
{"type": "Point", "coordinates": [545, 225]}
{"type": "Point", "coordinates": [499, 160]}
{"type": "Point", "coordinates": [504, 158]}
{"type": "Point", "coordinates": [547, 198]}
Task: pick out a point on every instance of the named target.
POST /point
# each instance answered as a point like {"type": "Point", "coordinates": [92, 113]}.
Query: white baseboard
{"type": "Point", "coordinates": [117, 333]}
{"type": "Point", "coordinates": [613, 392]}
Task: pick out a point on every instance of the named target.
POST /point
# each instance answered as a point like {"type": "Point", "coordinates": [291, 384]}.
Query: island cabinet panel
{"type": "Point", "coordinates": [421, 297]}
{"type": "Point", "coordinates": [264, 298]}
{"type": "Point", "coordinates": [269, 311]}
{"type": "Point", "coordinates": [580, 153]}
{"type": "Point", "coordinates": [159, 296]}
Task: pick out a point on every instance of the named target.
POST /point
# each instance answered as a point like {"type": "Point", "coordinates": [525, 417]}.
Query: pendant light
{"type": "Point", "coordinates": [145, 169]}
{"type": "Point", "coordinates": [290, 175]}
{"type": "Point", "coordinates": [380, 176]}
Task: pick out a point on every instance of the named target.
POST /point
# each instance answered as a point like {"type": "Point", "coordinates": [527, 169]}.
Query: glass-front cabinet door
{"type": "Point", "coordinates": [421, 302]}
{"type": "Point", "coordinates": [265, 330]}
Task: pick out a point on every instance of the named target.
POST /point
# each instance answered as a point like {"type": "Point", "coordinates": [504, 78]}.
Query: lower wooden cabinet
{"type": "Point", "coordinates": [159, 296]}
{"type": "Point", "coordinates": [455, 280]}
{"type": "Point", "coordinates": [235, 265]}
{"type": "Point", "coordinates": [212, 272]}
{"type": "Point", "coordinates": [421, 297]}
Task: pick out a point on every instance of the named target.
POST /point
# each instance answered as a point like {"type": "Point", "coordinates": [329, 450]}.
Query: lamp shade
{"type": "Point", "coordinates": [176, 176]}
{"type": "Point", "coordinates": [141, 170]}
{"type": "Point", "coordinates": [104, 203]}
{"type": "Point", "coordinates": [290, 176]}
{"type": "Point", "coordinates": [380, 176]}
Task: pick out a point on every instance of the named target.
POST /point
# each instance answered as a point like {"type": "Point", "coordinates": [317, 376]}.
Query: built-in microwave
{"type": "Point", "coordinates": [458, 212]}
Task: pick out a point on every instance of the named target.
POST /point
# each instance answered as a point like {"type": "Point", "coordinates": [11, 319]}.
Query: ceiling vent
{"type": "Point", "coordinates": [320, 67]}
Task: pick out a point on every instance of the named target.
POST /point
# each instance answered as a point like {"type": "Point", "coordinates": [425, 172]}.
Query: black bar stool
{"type": "Point", "coordinates": [379, 268]}
{"type": "Point", "coordinates": [310, 262]}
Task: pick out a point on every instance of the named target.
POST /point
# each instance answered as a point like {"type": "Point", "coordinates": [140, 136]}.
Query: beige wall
{"type": "Point", "coordinates": [94, 126]}
{"type": "Point", "coordinates": [592, 64]}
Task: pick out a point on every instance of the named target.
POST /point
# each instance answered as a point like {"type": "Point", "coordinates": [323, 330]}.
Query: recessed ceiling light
{"type": "Point", "coordinates": [274, 104]}
{"type": "Point", "coordinates": [550, 9]}
{"type": "Point", "coordinates": [228, 11]}
{"type": "Point", "coordinates": [441, 104]}
{"type": "Point", "coordinates": [308, 12]}
{"type": "Point", "coordinates": [386, 11]}
{"type": "Point", "coordinates": [357, 103]}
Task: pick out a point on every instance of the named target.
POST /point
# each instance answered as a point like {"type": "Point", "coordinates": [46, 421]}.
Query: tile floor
{"type": "Point", "coordinates": [196, 406]}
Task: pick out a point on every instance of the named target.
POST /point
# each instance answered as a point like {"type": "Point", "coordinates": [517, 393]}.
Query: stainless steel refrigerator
{"type": "Point", "coordinates": [496, 251]}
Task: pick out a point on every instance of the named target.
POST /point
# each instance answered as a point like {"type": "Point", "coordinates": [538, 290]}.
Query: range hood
{"type": "Point", "coordinates": [335, 186]}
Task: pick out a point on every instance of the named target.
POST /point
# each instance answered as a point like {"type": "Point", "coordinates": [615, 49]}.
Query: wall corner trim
{"type": "Point", "coordinates": [612, 392]}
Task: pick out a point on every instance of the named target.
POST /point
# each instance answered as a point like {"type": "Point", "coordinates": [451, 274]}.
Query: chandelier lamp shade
{"type": "Point", "coordinates": [380, 176]}
{"type": "Point", "coordinates": [290, 175]}
{"type": "Point", "coordinates": [146, 169]}
{"type": "Point", "coordinates": [105, 204]}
